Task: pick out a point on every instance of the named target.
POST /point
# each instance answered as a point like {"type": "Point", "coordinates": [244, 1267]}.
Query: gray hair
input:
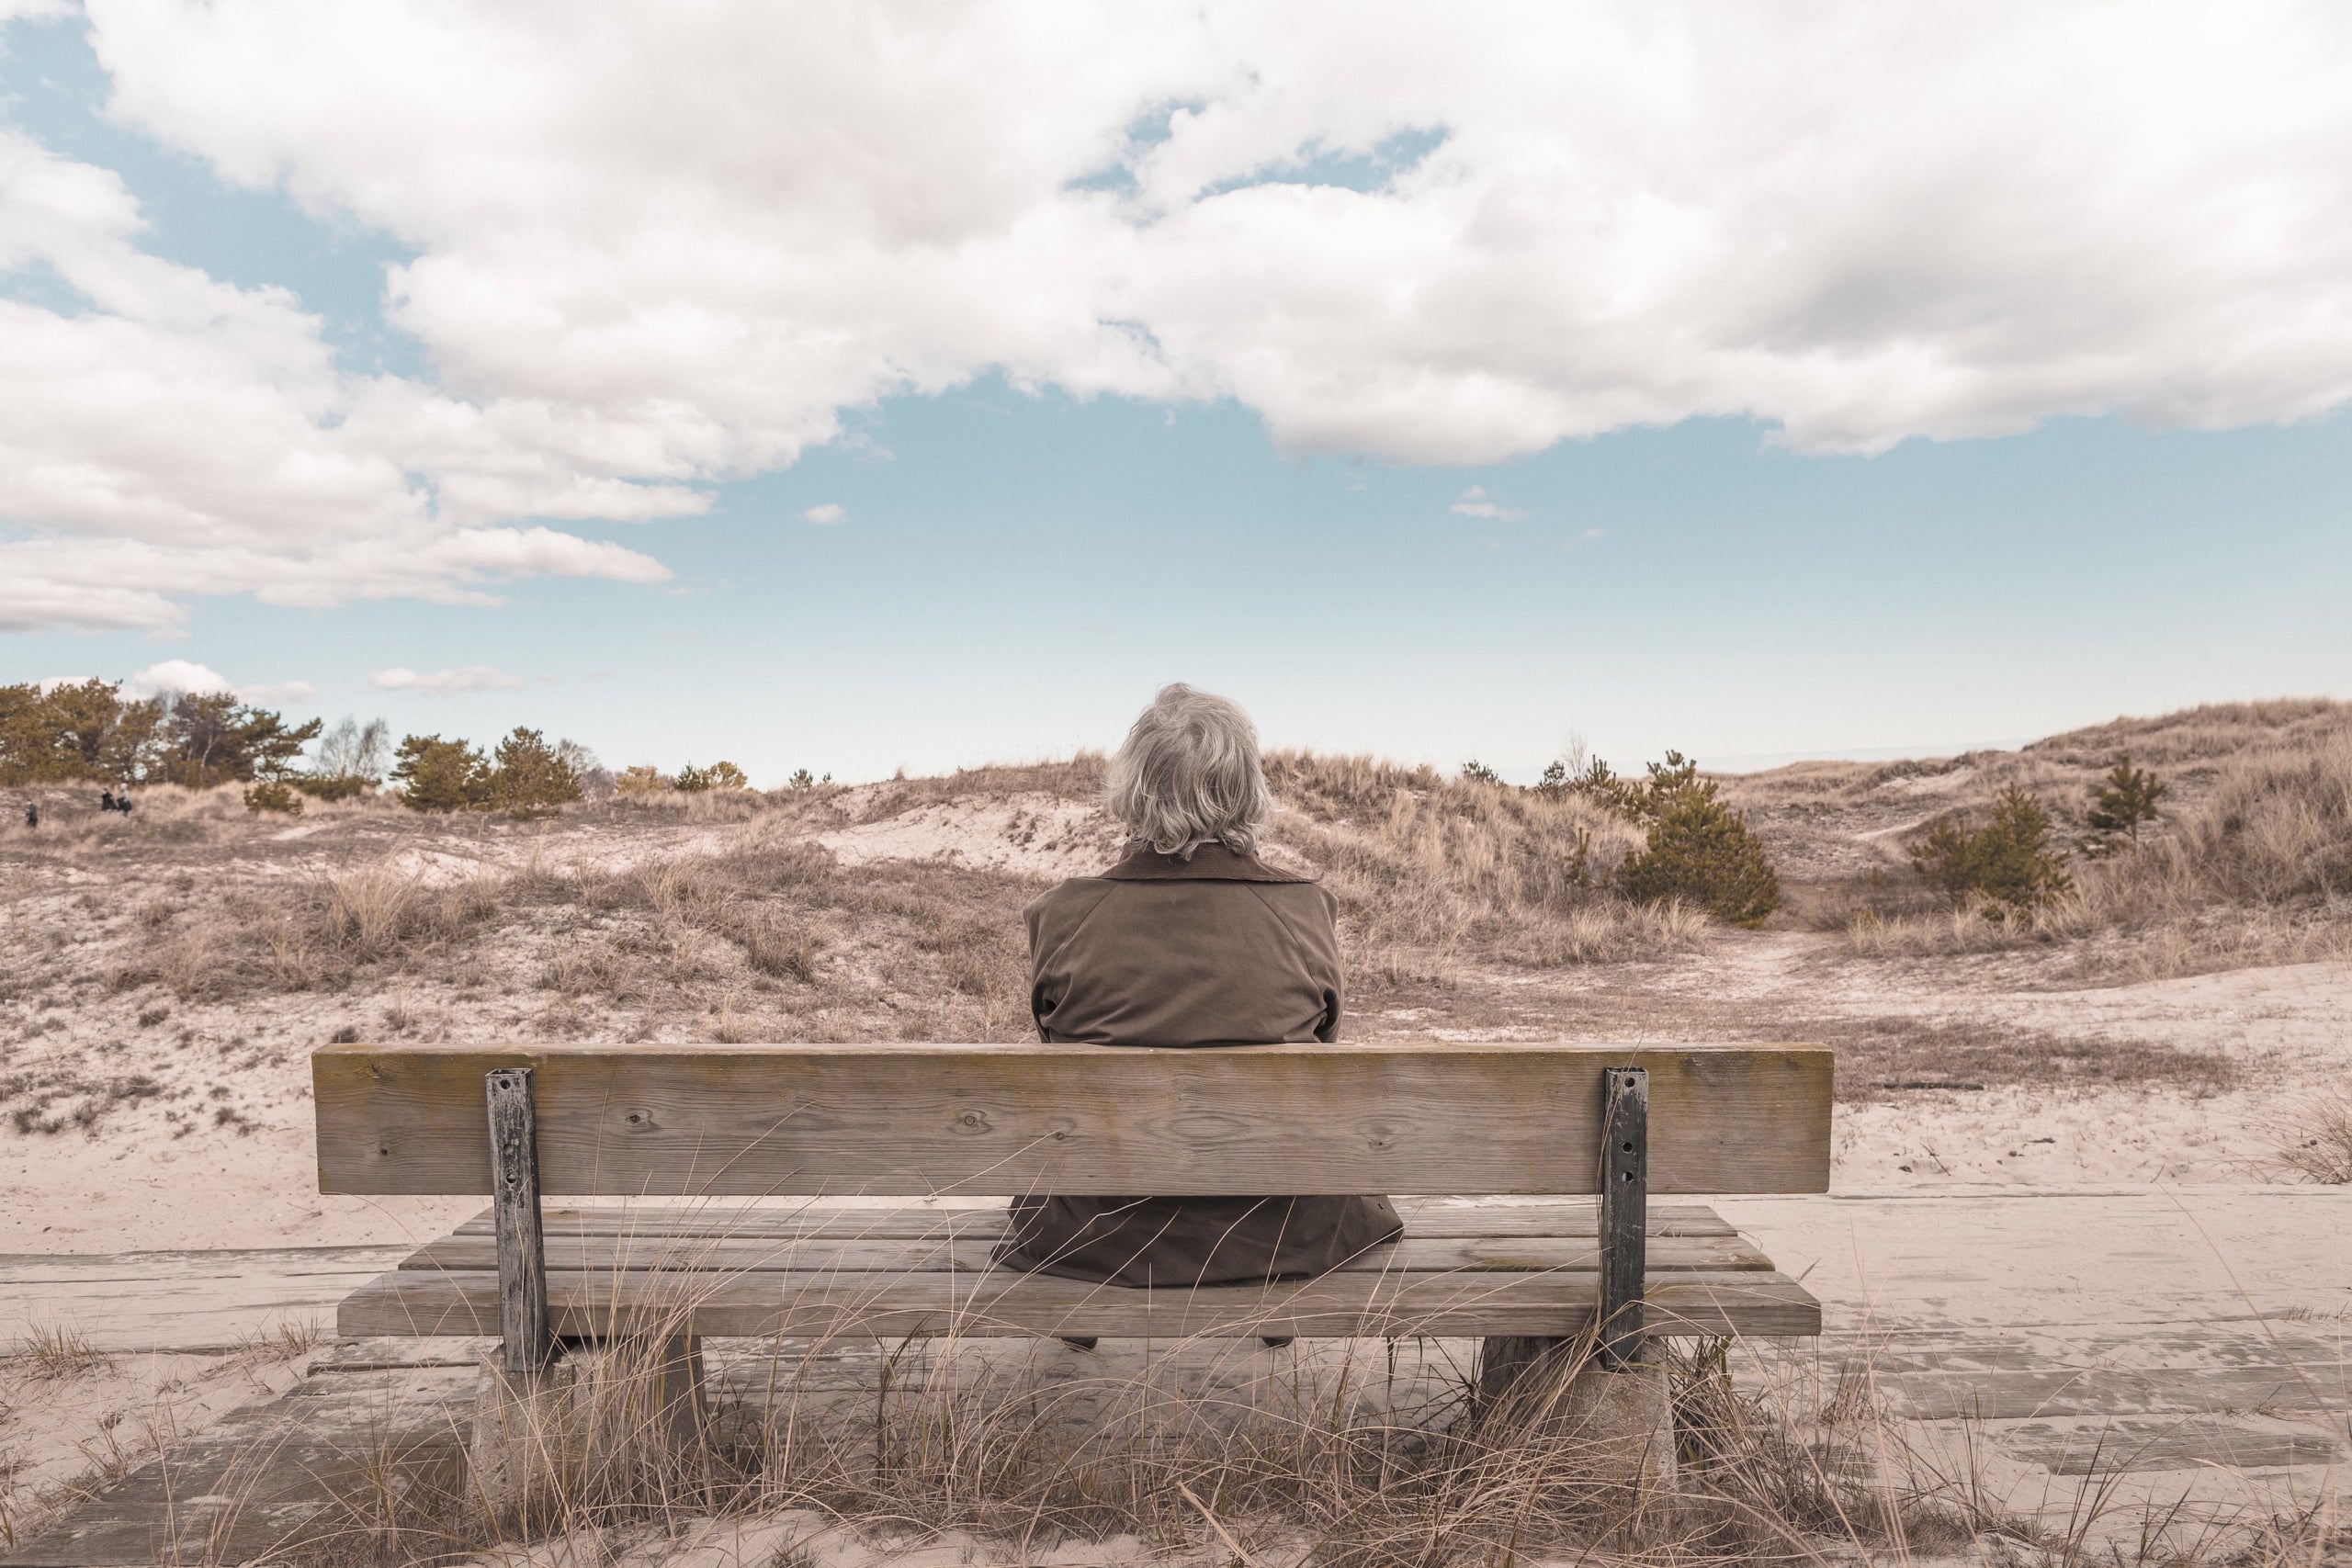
{"type": "Point", "coordinates": [1189, 774]}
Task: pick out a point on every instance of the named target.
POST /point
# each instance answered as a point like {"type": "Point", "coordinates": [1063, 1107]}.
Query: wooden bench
{"type": "Point", "coordinates": [1558, 1123]}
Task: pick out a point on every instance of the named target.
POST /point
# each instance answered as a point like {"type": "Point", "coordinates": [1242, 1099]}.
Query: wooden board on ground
{"type": "Point", "coordinates": [1006, 1119]}
{"type": "Point", "coordinates": [2111, 1445]}
{"type": "Point", "coordinates": [267, 1472]}
{"type": "Point", "coordinates": [185, 1300]}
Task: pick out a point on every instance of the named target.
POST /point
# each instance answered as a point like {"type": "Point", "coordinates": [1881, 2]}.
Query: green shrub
{"type": "Point", "coordinates": [2008, 862]}
{"type": "Point", "coordinates": [274, 794]}
{"type": "Point", "coordinates": [331, 786]}
{"type": "Point", "coordinates": [530, 774]}
{"type": "Point", "coordinates": [2127, 799]}
{"type": "Point", "coordinates": [719, 775]}
{"type": "Point", "coordinates": [1477, 772]}
{"type": "Point", "coordinates": [434, 774]}
{"type": "Point", "coordinates": [1701, 851]}
{"type": "Point", "coordinates": [642, 778]}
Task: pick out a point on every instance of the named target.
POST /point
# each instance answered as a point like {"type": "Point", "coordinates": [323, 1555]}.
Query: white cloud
{"type": "Point", "coordinates": [182, 436]}
{"type": "Point", "coordinates": [654, 248]}
{"type": "Point", "coordinates": [174, 676]}
{"type": "Point", "coordinates": [1475, 503]}
{"type": "Point", "coordinates": [444, 683]}
{"type": "Point", "coordinates": [827, 515]}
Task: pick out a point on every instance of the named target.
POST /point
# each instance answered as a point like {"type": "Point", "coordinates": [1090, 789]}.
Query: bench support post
{"type": "Point", "coordinates": [527, 1348]}
{"type": "Point", "coordinates": [1507, 1360]}
{"type": "Point", "coordinates": [1624, 1214]}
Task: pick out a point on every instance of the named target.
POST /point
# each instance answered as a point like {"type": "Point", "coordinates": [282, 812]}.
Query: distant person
{"type": "Point", "coordinates": [122, 803]}
{"type": "Point", "coordinates": [32, 814]}
{"type": "Point", "coordinates": [105, 800]}
{"type": "Point", "coordinates": [1191, 939]}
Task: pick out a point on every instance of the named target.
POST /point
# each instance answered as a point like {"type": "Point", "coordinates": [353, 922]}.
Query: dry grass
{"type": "Point", "coordinates": [58, 1351]}
{"type": "Point", "coordinates": [1329, 1461]}
{"type": "Point", "coordinates": [1336, 1460]}
{"type": "Point", "coordinates": [1080, 778]}
{"type": "Point", "coordinates": [2258, 870]}
{"type": "Point", "coordinates": [2319, 1142]}
{"type": "Point", "coordinates": [1882, 1058]}
{"type": "Point", "coordinates": [1430, 871]}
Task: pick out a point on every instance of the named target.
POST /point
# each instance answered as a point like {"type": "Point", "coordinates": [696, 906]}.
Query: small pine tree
{"type": "Point", "coordinates": [531, 775]}
{"type": "Point", "coordinates": [1701, 850]}
{"type": "Point", "coordinates": [434, 774]}
{"type": "Point", "coordinates": [2127, 799]}
{"type": "Point", "coordinates": [1477, 772]}
{"type": "Point", "coordinates": [274, 794]}
{"type": "Point", "coordinates": [2009, 861]}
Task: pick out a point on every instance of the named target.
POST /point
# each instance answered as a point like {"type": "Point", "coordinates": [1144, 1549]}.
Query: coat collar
{"type": "Point", "coordinates": [1210, 862]}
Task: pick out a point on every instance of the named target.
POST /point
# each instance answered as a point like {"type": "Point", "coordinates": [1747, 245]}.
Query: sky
{"type": "Point", "coordinates": [866, 386]}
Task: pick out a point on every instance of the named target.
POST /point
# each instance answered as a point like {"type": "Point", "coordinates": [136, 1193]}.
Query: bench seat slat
{"type": "Point", "coordinates": [967, 1255]}
{"type": "Point", "coordinates": [1422, 1216]}
{"type": "Point", "coordinates": [1448, 1303]}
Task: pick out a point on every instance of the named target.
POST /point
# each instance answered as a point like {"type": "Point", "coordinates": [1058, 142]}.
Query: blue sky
{"type": "Point", "coordinates": [1461, 527]}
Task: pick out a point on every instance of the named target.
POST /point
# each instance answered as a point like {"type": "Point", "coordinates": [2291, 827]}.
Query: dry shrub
{"type": "Point", "coordinates": [1445, 867]}
{"type": "Point", "coordinates": [57, 1094]}
{"type": "Point", "coordinates": [58, 1351]}
{"type": "Point", "coordinates": [2209, 731]}
{"type": "Point", "coordinates": [1081, 778]}
{"type": "Point", "coordinates": [1331, 1463]}
{"type": "Point", "coordinates": [1876, 1053]}
{"type": "Point", "coordinates": [2254, 867]}
{"type": "Point", "coordinates": [2319, 1142]}
{"type": "Point", "coordinates": [2275, 830]}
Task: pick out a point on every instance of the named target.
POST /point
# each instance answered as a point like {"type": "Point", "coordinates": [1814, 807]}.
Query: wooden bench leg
{"type": "Point", "coordinates": [1624, 1214]}
{"type": "Point", "coordinates": [1512, 1365]}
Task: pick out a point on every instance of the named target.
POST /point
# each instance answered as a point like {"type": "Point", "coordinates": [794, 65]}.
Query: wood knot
{"type": "Point", "coordinates": [971, 1119]}
{"type": "Point", "coordinates": [638, 1119]}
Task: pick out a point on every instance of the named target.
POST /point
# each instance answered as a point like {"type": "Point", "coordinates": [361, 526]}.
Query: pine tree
{"type": "Point", "coordinates": [434, 774]}
{"type": "Point", "coordinates": [2009, 861]}
{"type": "Point", "coordinates": [2127, 799]}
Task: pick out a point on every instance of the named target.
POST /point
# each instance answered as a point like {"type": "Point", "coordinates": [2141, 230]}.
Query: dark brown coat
{"type": "Point", "coordinates": [1220, 950]}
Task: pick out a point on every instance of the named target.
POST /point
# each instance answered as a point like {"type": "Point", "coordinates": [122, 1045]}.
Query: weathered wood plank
{"type": "Point", "coordinates": [2109, 1446]}
{"type": "Point", "coordinates": [1007, 1119]}
{"type": "Point", "coordinates": [240, 1491]}
{"type": "Point", "coordinates": [181, 1300]}
{"type": "Point", "coordinates": [690, 1217]}
{"type": "Point", "coordinates": [422, 1302]}
{"type": "Point", "coordinates": [2021, 1393]}
{"type": "Point", "coordinates": [602, 1254]}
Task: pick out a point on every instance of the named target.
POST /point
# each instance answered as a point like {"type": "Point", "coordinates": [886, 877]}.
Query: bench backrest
{"type": "Point", "coordinates": [890, 1119]}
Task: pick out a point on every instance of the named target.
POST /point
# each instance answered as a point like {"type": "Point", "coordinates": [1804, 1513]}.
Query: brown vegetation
{"type": "Point", "coordinates": [2248, 861]}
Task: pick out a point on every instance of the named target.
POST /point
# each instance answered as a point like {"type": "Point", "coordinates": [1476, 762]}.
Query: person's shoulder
{"type": "Point", "coordinates": [1070, 900]}
{"type": "Point", "coordinates": [1300, 899]}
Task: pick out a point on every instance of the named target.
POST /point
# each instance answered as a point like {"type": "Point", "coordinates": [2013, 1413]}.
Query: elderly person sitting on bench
{"type": "Point", "coordinates": [1190, 941]}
